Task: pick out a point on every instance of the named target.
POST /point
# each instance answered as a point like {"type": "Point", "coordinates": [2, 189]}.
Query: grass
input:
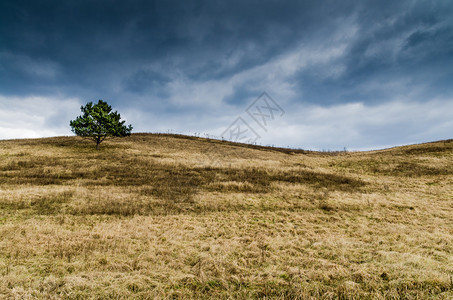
{"type": "Point", "coordinates": [175, 217]}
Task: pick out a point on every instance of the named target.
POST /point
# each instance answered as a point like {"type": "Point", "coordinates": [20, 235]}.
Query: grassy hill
{"type": "Point", "coordinates": [166, 216]}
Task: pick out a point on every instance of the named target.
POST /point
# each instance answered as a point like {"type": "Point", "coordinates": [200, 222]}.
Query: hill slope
{"type": "Point", "coordinates": [172, 216]}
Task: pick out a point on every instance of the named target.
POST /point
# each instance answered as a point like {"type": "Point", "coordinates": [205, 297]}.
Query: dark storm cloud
{"type": "Point", "coordinates": [411, 42]}
{"type": "Point", "coordinates": [87, 41]}
{"type": "Point", "coordinates": [88, 44]}
{"type": "Point", "coordinates": [201, 58]}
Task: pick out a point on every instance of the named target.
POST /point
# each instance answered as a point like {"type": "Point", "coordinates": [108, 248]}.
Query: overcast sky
{"type": "Point", "coordinates": [354, 74]}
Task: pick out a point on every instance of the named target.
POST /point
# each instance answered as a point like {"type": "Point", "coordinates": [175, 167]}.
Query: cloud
{"type": "Point", "coordinates": [34, 117]}
{"type": "Point", "coordinates": [358, 126]}
{"type": "Point", "coordinates": [194, 65]}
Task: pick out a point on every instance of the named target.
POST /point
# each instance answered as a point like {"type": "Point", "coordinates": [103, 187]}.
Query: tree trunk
{"type": "Point", "coordinates": [97, 146]}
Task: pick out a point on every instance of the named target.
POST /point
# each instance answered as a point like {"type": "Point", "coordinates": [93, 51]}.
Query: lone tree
{"type": "Point", "coordinates": [98, 123]}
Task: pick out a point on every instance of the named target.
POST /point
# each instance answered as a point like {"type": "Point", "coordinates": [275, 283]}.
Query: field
{"type": "Point", "coordinates": [174, 217]}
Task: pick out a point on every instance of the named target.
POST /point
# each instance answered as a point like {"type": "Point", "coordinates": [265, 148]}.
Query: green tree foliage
{"type": "Point", "coordinates": [98, 123]}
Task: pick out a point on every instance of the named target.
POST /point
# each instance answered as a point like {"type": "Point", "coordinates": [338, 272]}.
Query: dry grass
{"type": "Point", "coordinates": [164, 216]}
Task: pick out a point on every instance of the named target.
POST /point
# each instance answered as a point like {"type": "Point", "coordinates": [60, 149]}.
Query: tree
{"type": "Point", "coordinates": [98, 123]}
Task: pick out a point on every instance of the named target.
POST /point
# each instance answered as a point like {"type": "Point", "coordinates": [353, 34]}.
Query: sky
{"type": "Point", "coordinates": [321, 75]}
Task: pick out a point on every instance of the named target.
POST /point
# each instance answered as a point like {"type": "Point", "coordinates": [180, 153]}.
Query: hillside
{"type": "Point", "coordinates": [166, 216]}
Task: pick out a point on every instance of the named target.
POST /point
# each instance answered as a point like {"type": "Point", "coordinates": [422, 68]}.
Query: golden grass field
{"type": "Point", "coordinates": [173, 217]}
